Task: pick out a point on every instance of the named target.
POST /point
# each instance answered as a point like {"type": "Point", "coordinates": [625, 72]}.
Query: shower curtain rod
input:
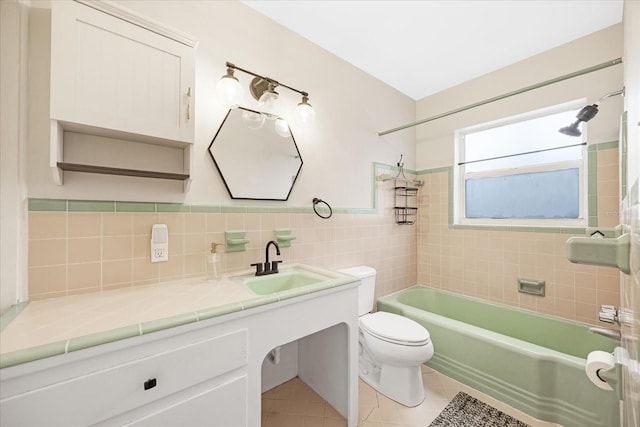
{"type": "Point", "coordinates": [508, 94]}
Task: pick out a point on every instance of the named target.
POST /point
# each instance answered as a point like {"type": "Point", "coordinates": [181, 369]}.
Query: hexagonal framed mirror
{"type": "Point", "coordinates": [257, 157]}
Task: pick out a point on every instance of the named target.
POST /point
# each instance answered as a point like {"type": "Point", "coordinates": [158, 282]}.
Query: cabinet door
{"type": "Point", "coordinates": [108, 73]}
{"type": "Point", "coordinates": [224, 405]}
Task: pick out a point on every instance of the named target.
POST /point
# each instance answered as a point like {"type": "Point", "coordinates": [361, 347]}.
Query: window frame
{"type": "Point", "coordinates": [459, 174]}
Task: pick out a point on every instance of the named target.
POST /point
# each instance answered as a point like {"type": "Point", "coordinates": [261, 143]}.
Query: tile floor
{"type": "Point", "coordinates": [294, 404]}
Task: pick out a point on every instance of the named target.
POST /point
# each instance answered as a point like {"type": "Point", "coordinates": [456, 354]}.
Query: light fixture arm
{"type": "Point", "coordinates": [274, 82]}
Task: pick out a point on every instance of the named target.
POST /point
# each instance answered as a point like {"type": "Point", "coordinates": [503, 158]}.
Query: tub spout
{"type": "Point", "coordinates": [609, 333]}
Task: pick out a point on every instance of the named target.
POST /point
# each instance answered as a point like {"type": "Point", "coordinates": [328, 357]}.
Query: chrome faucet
{"type": "Point", "coordinates": [267, 267]}
{"type": "Point", "coordinates": [609, 314]}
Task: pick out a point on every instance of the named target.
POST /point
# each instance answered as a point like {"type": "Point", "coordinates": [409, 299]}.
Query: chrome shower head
{"type": "Point", "coordinates": [572, 129]}
{"type": "Point", "coordinates": [587, 113]}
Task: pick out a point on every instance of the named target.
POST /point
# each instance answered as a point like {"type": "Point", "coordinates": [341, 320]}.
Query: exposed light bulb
{"type": "Point", "coordinates": [267, 102]}
{"type": "Point", "coordinates": [228, 90]}
{"type": "Point", "coordinates": [282, 128]}
{"type": "Point", "coordinates": [253, 120]}
{"type": "Point", "coordinates": [305, 113]}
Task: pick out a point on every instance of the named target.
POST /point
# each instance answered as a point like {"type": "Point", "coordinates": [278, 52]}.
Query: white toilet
{"type": "Point", "coordinates": [392, 347]}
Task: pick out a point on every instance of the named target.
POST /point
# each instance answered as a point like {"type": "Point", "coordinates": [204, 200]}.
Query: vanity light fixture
{"type": "Point", "coordinates": [305, 112]}
{"type": "Point", "coordinates": [263, 89]}
{"type": "Point", "coordinates": [267, 101]}
{"type": "Point", "coordinates": [587, 113]}
{"type": "Point", "coordinates": [228, 90]}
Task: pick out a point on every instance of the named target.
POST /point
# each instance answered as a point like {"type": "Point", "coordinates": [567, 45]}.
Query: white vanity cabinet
{"type": "Point", "coordinates": [116, 74]}
{"type": "Point", "coordinates": [150, 383]}
{"type": "Point", "coordinates": [204, 373]}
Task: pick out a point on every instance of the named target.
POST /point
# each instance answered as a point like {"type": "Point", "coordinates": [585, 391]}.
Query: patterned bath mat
{"type": "Point", "coordinates": [467, 411]}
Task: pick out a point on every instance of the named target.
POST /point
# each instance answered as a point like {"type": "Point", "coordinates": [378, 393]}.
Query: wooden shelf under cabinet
{"type": "Point", "coordinates": [105, 170]}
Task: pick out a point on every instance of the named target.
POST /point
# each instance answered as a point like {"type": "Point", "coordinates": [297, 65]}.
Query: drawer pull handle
{"type": "Point", "coordinates": [150, 383]}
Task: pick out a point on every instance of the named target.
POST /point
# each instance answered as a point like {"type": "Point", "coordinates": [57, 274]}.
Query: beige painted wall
{"type": "Point", "coordinates": [435, 143]}
{"type": "Point", "coordinates": [338, 151]}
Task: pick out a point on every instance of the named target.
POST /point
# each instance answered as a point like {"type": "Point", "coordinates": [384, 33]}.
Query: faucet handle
{"type": "Point", "coordinates": [274, 266]}
{"type": "Point", "coordinates": [608, 314]}
{"type": "Point", "coordinates": [258, 267]}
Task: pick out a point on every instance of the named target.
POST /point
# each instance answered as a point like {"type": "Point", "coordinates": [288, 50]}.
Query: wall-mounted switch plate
{"type": "Point", "coordinates": [159, 243]}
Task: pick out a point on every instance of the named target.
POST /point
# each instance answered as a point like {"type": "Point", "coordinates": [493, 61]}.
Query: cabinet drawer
{"type": "Point", "coordinates": [102, 394]}
{"type": "Point", "coordinates": [223, 405]}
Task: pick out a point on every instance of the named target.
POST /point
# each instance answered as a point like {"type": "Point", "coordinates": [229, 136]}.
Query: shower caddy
{"type": "Point", "coordinates": [406, 196]}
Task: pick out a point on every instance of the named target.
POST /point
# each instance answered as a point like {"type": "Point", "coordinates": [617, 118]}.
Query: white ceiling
{"type": "Point", "coordinates": [423, 47]}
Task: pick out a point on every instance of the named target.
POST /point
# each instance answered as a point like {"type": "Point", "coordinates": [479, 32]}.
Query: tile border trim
{"type": "Point", "coordinates": [59, 205]}
{"type": "Point", "coordinates": [62, 205]}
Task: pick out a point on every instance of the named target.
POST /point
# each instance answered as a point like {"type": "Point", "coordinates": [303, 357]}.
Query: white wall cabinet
{"type": "Point", "coordinates": [118, 75]}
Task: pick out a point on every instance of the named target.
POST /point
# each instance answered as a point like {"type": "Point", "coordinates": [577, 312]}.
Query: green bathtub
{"type": "Point", "coordinates": [530, 361]}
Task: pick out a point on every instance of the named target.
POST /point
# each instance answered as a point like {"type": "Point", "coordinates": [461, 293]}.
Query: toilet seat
{"type": "Point", "coordinates": [395, 329]}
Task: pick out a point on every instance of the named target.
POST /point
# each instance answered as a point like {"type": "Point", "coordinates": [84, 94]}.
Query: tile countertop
{"type": "Point", "coordinates": [56, 326]}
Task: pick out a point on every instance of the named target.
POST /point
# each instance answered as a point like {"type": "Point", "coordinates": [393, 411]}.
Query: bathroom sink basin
{"type": "Point", "coordinates": [282, 281]}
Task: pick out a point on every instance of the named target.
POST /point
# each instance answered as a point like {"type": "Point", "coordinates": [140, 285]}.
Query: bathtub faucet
{"type": "Point", "coordinates": [609, 314]}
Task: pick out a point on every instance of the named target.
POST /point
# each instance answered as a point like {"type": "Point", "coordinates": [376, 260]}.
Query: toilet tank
{"type": "Point", "coordinates": [367, 289]}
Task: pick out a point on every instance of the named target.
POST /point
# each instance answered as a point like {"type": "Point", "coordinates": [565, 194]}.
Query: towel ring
{"type": "Point", "coordinates": [315, 202]}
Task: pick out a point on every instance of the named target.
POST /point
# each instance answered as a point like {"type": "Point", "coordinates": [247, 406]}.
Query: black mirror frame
{"type": "Point", "coordinates": [293, 182]}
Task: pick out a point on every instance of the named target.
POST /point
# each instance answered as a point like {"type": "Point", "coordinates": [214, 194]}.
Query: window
{"type": "Point", "coordinates": [521, 171]}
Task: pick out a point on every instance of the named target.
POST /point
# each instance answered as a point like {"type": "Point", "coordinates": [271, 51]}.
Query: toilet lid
{"type": "Point", "coordinates": [394, 328]}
